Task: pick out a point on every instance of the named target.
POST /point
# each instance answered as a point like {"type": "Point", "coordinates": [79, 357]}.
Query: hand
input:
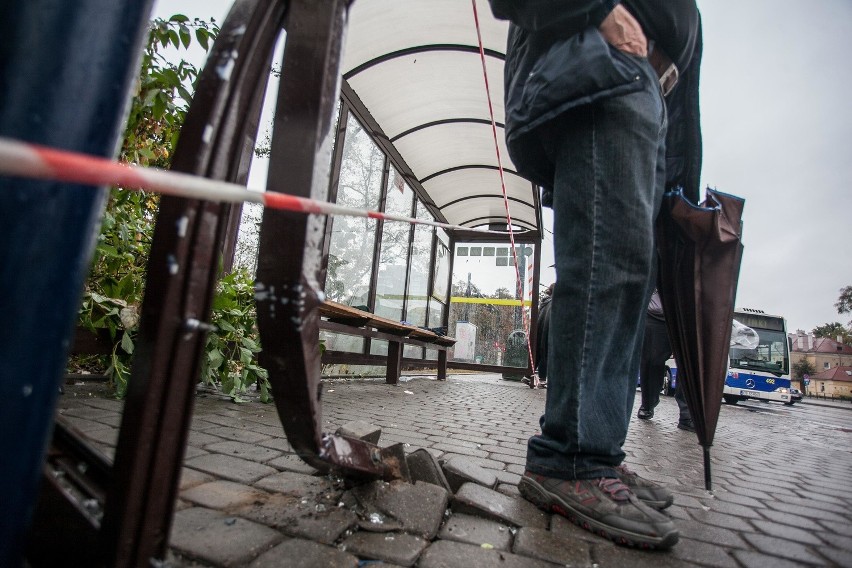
{"type": "Point", "coordinates": [621, 30]}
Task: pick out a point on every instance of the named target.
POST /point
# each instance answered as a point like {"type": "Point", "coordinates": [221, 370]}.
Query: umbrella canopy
{"type": "Point", "coordinates": [700, 250]}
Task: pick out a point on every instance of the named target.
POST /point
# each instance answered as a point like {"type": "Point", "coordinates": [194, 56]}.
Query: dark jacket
{"type": "Point", "coordinates": [557, 60]}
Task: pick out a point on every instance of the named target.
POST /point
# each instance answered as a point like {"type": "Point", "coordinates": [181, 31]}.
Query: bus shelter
{"type": "Point", "coordinates": [387, 105]}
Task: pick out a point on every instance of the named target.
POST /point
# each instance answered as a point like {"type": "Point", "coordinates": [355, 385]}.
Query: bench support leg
{"type": "Point", "coordinates": [394, 362]}
{"type": "Point", "coordinates": [442, 365]}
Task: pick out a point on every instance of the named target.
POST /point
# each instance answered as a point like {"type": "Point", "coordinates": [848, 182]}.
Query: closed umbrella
{"type": "Point", "coordinates": [700, 249]}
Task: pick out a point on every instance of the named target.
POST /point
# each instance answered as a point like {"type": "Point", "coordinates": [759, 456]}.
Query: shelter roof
{"type": "Point", "coordinates": [416, 68]}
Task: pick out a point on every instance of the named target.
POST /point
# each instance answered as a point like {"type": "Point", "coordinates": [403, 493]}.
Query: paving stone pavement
{"type": "Point", "coordinates": [781, 483]}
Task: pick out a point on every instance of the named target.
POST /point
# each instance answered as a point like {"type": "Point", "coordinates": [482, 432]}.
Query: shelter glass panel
{"type": "Point", "coordinates": [351, 251]}
{"type": "Point", "coordinates": [393, 258]}
{"type": "Point", "coordinates": [489, 312]}
{"type": "Point", "coordinates": [421, 261]}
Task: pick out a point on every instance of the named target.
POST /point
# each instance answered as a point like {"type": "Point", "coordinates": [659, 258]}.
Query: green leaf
{"type": "Point", "coordinates": [223, 324]}
{"type": "Point", "coordinates": [127, 344]}
{"type": "Point", "coordinates": [185, 36]}
{"type": "Point", "coordinates": [178, 18]}
{"type": "Point", "coordinates": [202, 36]}
{"type": "Point", "coordinates": [245, 355]}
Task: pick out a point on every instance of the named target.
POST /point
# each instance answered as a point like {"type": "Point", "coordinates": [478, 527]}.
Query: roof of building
{"type": "Point", "coordinates": [822, 345]}
{"type": "Point", "coordinates": [835, 374]}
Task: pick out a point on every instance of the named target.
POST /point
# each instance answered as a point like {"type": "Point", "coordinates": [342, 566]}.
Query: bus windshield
{"type": "Point", "coordinates": [770, 355]}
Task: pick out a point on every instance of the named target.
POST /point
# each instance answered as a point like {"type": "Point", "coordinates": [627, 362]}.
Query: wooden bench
{"type": "Point", "coordinates": [341, 318]}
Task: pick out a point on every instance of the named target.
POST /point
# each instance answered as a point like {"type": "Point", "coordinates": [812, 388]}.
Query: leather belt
{"type": "Point", "coordinates": [665, 68]}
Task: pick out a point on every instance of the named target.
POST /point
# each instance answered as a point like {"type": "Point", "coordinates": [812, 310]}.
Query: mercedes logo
{"type": "Point", "coordinates": [750, 383]}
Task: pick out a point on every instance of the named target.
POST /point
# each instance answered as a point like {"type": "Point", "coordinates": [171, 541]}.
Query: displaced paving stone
{"type": "Point", "coordinates": [218, 538]}
{"type": "Point", "coordinates": [300, 518]}
{"type": "Point", "coordinates": [424, 466]}
{"type": "Point", "coordinates": [460, 470]}
{"type": "Point", "coordinates": [222, 494]}
{"type": "Point", "coordinates": [477, 531]}
{"type": "Point", "coordinates": [419, 508]}
{"type": "Point", "coordinates": [449, 554]}
{"type": "Point", "coordinates": [474, 499]}
{"type": "Point", "coordinates": [361, 430]}
{"type": "Point", "coordinates": [544, 545]}
{"type": "Point", "coordinates": [509, 489]}
{"type": "Point", "coordinates": [230, 467]}
{"type": "Point", "coordinates": [298, 553]}
{"type": "Point", "coordinates": [400, 548]}
{"type": "Point", "coordinates": [300, 485]}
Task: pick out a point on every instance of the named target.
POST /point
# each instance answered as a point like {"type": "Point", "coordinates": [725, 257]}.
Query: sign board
{"type": "Point", "coordinates": [465, 348]}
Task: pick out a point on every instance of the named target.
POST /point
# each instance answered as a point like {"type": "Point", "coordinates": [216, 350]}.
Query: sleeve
{"type": "Point", "coordinates": [563, 16]}
{"type": "Point", "coordinates": [683, 140]}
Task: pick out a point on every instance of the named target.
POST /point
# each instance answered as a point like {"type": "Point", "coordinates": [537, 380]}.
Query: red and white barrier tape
{"type": "Point", "coordinates": [40, 162]}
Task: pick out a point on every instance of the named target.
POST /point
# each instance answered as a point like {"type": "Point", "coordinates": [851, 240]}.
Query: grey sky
{"type": "Point", "coordinates": [777, 130]}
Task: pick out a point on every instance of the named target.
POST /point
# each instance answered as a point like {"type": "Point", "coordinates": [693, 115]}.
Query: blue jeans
{"type": "Point", "coordinates": [610, 175]}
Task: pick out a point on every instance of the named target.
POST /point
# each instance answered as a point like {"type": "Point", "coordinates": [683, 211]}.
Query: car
{"type": "Point", "coordinates": [795, 396]}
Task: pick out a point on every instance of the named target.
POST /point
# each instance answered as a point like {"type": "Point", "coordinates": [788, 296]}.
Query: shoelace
{"type": "Point", "coordinates": [615, 488]}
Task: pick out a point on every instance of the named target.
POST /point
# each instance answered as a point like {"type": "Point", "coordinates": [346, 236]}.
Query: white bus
{"type": "Point", "coordinates": [758, 360]}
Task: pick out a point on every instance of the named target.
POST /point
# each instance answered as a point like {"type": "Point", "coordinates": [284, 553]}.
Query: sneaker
{"type": "Point", "coordinates": [648, 492]}
{"type": "Point", "coordinates": [686, 424]}
{"type": "Point", "coordinates": [604, 506]}
{"type": "Point", "coordinates": [645, 414]}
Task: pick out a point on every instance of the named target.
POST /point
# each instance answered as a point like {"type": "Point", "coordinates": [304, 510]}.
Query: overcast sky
{"type": "Point", "coordinates": [777, 130]}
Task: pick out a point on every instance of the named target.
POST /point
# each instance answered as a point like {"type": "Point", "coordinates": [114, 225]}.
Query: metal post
{"type": "Point", "coordinates": [66, 68]}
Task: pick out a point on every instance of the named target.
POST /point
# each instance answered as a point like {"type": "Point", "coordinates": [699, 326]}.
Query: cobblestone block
{"type": "Point", "coordinates": [704, 553]}
{"type": "Point", "coordinates": [461, 470]}
{"type": "Point", "coordinates": [361, 430]}
{"type": "Point", "coordinates": [423, 466]}
{"type": "Point", "coordinates": [201, 439]}
{"type": "Point", "coordinates": [477, 531]}
{"type": "Point", "coordinates": [301, 518]}
{"type": "Point", "coordinates": [751, 559]}
{"type": "Point", "coordinates": [220, 539]}
{"type": "Point", "coordinates": [563, 529]}
{"type": "Point", "coordinates": [399, 548]}
{"type": "Point", "coordinates": [450, 554]}
{"type": "Point", "coordinates": [509, 489]}
{"type": "Point", "coordinates": [784, 548]}
{"type": "Point", "coordinates": [222, 495]}
{"type": "Point", "coordinates": [300, 485]}
{"type": "Point", "coordinates": [419, 508]}
{"type": "Point", "coordinates": [190, 478]}
{"type": "Point", "coordinates": [236, 434]}
{"type": "Point", "coordinates": [243, 450]}
{"type": "Point", "coordinates": [477, 500]}
{"type": "Point", "coordinates": [292, 462]}
{"type": "Point", "coordinates": [710, 534]}
{"type": "Point", "coordinates": [299, 553]}
{"type": "Point", "coordinates": [606, 553]}
{"type": "Point", "coordinates": [544, 545]}
{"type": "Point", "coordinates": [229, 467]}
{"type": "Point", "coordinates": [280, 444]}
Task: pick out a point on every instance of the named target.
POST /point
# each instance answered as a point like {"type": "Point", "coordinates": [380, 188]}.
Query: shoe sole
{"type": "Point", "coordinates": [545, 500]}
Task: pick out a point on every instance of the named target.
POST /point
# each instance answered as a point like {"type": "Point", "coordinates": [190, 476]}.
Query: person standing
{"type": "Point", "coordinates": [656, 350]}
{"type": "Point", "coordinates": [587, 121]}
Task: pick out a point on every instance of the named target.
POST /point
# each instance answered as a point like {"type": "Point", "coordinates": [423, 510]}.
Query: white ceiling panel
{"type": "Point", "coordinates": [416, 67]}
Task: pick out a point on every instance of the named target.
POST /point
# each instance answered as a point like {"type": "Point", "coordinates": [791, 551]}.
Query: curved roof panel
{"type": "Point", "coordinates": [416, 67]}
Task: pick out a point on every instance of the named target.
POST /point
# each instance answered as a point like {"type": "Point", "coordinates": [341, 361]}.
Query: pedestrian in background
{"type": "Point", "coordinates": [586, 120]}
{"type": "Point", "coordinates": [656, 350]}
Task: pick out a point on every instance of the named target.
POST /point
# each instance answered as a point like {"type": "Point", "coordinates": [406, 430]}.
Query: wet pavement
{"type": "Point", "coordinates": [781, 478]}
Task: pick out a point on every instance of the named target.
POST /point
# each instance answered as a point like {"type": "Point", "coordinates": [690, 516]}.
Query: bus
{"type": "Point", "coordinates": [759, 359]}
